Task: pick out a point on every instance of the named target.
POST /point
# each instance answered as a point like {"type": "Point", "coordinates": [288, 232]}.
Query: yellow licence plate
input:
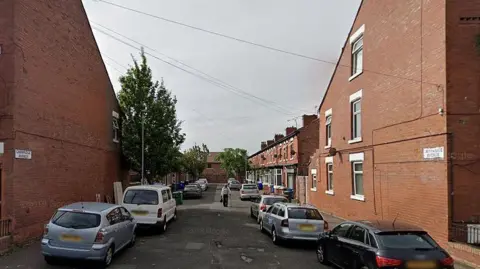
{"type": "Point", "coordinates": [421, 264]}
{"type": "Point", "coordinates": [71, 238]}
{"type": "Point", "coordinates": [306, 227]}
{"type": "Point", "coordinates": [139, 213]}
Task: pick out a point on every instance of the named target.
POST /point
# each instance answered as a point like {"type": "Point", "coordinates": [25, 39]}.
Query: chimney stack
{"type": "Point", "coordinates": [269, 142]}
{"type": "Point", "coordinates": [290, 130]}
{"type": "Point", "coordinates": [278, 137]}
{"type": "Point", "coordinates": [307, 119]}
{"type": "Point", "coordinates": [263, 145]}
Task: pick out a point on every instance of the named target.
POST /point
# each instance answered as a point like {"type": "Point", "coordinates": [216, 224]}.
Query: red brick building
{"type": "Point", "coordinates": [58, 113]}
{"type": "Point", "coordinates": [214, 173]}
{"type": "Point", "coordinates": [280, 160]}
{"type": "Point", "coordinates": [399, 123]}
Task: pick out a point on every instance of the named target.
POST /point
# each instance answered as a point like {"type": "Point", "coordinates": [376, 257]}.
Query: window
{"type": "Point", "coordinates": [328, 130]}
{"type": "Point", "coordinates": [358, 234]}
{"type": "Point", "coordinates": [165, 195]}
{"type": "Point", "coordinates": [281, 212]}
{"type": "Point", "coordinates": [403, 240]}
{"type": "Point", "coordinates": [329, 176]}
{"type": "Point", "coordinates": [275, 210]}
{"type": "Point", "coordinates": [141, 197]}
{"type": "Point", "coordinates": [357, 56]}
{"type": "Point", "coordinates": [356, 119]}
{"type": "Point", "coordinates": [314, 179]}
{"type": "Point", "coordinates": [372, 240]}
{"type": "Point", "coordinates": [209, 165]}
{"type": "Point", "coordinates": [270, 209]}
{"type": "Point", "coordinates": [304, 213]}
{"type": "Point", "coordinates": [271, 201]}
{"type": "Point", "coordinates": [116, 129]}
{"type": "Point", "coordinates": [357, 178]}
{"type": "Point", "coordinates": [341, 230]}
{"type": "Point", "coordinates": [125, 214]}
{"type": "Point", "coordinates": [169, 194]}
{"type": "Point", "coordinates": [76, 220]}
{"type": "Point", "coordinates": [115, 216]}
{"type": "Point", "coordinates": [291, 151]}
{"type": "Point", "coordinates": [278, 177]}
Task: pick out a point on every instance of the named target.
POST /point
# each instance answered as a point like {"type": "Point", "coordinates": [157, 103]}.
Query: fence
{"type": "Point", "coordinates": [465, 233]}
{"type": "Point", "coordinates": [5, 227]}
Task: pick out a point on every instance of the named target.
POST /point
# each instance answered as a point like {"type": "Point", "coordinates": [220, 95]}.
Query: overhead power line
{"type": "Point", "coordinates": [211, 80]}
{"type": "Point", "coordinates": [257, 44]}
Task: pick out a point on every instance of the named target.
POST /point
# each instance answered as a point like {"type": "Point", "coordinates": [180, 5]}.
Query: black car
{"type": "Point", "coordinates": [381, 244]}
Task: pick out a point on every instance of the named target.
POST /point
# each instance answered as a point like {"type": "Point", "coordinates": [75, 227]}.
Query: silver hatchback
{"type": "Point", "coordinates": [286, 221]}
{"type": "Point", "coordinates": [90, 231]}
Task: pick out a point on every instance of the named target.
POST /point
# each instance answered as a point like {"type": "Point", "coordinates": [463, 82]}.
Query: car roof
{"type": "Point", "coordinates": [250, 184]}
{"type": "Point", "coordinates": [378, 226]}
{"type": "Point", "coordinates": [148, 187]}
{"type": "Point", "coordinates": [273, 196]}
{"type": "Point", "coordinates": [88, 206]}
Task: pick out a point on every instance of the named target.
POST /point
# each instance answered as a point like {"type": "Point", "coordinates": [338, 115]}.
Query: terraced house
{"type": "Point", "coordinates": [399, 122]}
{"type": "Point", "coordinates": [59, 117]}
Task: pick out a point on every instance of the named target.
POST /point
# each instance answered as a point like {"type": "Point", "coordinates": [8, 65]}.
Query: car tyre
{"type": "Point", "coordinates": [107, 260]}
{"type": "Point", "coordinates": [50, 260]}
{"type": "Point", "coordinates": [261, 226]}
{"type": "Point", "coordinates": [164, 225]}
{"type": "Point", "coordinates": [275, 238]}
{"type": "Point", "coordinates": [175, 215]}
{"type": "Point", "coordinates": [133, 240]}
{"type": "Point", "coordinates": [321, 257]}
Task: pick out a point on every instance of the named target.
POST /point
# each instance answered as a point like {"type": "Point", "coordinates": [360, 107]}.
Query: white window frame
{"type": "Point", "coordinates": [328, 116]}
{"type": "Point", "coordinates": [356, 158]}
{"type": "Point", "coordinates": [278, 172]}
{"type": "Point", "coordinates": [115, 126]}
{"type": "Point", "coordinates": [354, 39]}
{"type": "Point", "coordinates": [329, 162]}
{"type": "Point", "coordinates": [314, 180]}
{"type": "Point", "coordinates": [356, 97]}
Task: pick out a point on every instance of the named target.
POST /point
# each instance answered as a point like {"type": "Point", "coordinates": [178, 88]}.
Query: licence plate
{"type": "Point", "coordinates": [306, 227]}
{"type": "Point", "coordinates": [70, 238]}
{"type": "Point", "coordinates": [139, 213]}
{"type": "Point", "coordinates": [421, 264]}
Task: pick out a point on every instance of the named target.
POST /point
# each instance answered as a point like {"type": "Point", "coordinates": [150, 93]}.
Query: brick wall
{"type": "Point", "coordinates": [215, 174]}
{"type": "Point", "coordinates": [63, 103]}
{"type": "Point", "coordinates": [307, 145]}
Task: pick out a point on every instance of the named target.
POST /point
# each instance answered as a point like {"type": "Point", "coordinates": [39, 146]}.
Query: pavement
{"type": "Point", "coordinates": [206, 235]}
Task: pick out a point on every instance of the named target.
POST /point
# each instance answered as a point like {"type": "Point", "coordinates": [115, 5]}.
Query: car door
{"type": "Point", "coordinates": [273, 216]}
{"type": "Point", "coordinates": [129, 223]}
{"type": "Point", "coordinates": [116, 226]}
{"type": "Point", "coordinates": [335, 241]}
{"type": "Point", "coordinates": [355, 246]}
{"type": "Point", "coordinates": [173, 203]}
{"type": "Point", "coordinates": [166, 205]}
{"type": "Point", "coordinates": [265, 220]}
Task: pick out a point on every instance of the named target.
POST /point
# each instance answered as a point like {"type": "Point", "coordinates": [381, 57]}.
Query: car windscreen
{"type": "Point", "coordinates": [271, 201]}
{"type": "Point", "coordinates": [141, 197]}
{"type": "Point", "coordinates": [235, 182]}
{"type": "Point", "coordinates": [76, 220]}
{"type": "Point", "coordinates": [191, 187]}
{"type": "Point", "coordinates": [249, 187]}
{"type": "Point", "coordinates": [304, 213]}
{"type": "Point", "coordinates": [409, 240]}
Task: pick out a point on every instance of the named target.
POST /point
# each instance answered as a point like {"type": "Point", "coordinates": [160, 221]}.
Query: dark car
{"type": "Point", "coordinates": [193, 190]}
{"type": "Point", "coordinates": [381, 244]}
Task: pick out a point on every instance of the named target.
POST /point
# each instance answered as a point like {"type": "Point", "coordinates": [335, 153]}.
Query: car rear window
{"type": "Point", "coordinates": [304, 213]}
{"type": "Point", "coordinates": [191, 187]}
{"type": "Point", "coordinates": [141, 197]}
{"type": "Point", "coordinates": [76, 220]}
{"type": "Point", "coordinates": [249, 187]}
{"type": "Point", "coordinates": [406, 240]}
{"type": "Point", "coordinates": [271, 201]}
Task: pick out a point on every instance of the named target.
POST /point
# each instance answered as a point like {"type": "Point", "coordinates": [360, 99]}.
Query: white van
{"type": "Point", "coordinates": [151, 205]}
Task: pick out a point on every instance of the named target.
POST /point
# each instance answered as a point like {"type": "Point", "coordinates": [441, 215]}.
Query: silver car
{"type": "Point", "coordinates": [193, 190]}
{"type": "Point", "coordinates": [234, 184]}
{"type": "Point", "coordinates": [88, 230]}
{"type": "Point", "coordinates": [286, 221]}
{"type": "Point", "coordinates": [263, 203]}
{"type": "Point", "coordinates": [203, 183]}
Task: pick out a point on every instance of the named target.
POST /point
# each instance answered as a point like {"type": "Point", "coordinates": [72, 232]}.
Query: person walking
{"type": "Point", "coordinates": [225, 194]}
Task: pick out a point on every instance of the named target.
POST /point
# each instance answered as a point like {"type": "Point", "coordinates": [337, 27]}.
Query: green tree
{"type": "Point", "coordinates": [234, 161]}
{"type": "Point", "coordinates": [142, 98]}
{"type": "Point", "coordinates": [194, 160]}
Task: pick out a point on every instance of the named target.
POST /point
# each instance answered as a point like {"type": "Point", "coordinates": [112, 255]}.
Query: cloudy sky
{"type": "Point", "coordinates": [238, 94]}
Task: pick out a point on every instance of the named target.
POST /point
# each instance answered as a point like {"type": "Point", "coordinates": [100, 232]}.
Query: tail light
{"type": "Point", "coordinates": [100, 236]}
{"type": "Point", "coordinates": [159, 213]}
{"type": "Point", "coordinates": [325, 225]}
{"type": "Point", "coordinates": [45, 229]}
{"type": "Point", "coordinates": [263, 207]}
{"type": "Point", "coordinates": [284, 223]}
{"type": "Point", "coordinates": [447, 261]}
{"type": "Point", "coordinates": [241, 191]}
{"type": "Point", "coordinates": [385, 262]}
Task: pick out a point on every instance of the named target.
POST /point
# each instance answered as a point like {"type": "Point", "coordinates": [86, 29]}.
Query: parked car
{"type": "Point", "coordinates": [93, 231]}
{"type": "Point", "coordinates": [151, 205]}
{"type": "Point", "coordinates": [249, 191]}
{"type": "Point", "coordinates": [286, 221]}
{"type": "Point", "coordinates": [379, 244]}
{"type": "Point", "coordinates": [193, 190]}
{"type": "Point", "coordinates": [203, 183]}
{"type": "Point", "coordinates": [261, 204]}
{"type": "Point", "coordinates": [234, 184]}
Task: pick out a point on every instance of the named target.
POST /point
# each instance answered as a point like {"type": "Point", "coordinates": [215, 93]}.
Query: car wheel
{"type": "Point", "coordinates": [50, 260]}
{"type": "Point", "coordinates": [175, 215]}
{"type": "Point", "coordinates": [321, 254]}
{"type": "Point", "coordinates": [164, 225]}
{"type": "Point", "coordinates": [133, 240]}
{"type": "Point", "coordinates": [107, 260]}
{"type": "Point", "coordinates": [274, 236]}
{"type": "Point", "coordinates": [261, 226]}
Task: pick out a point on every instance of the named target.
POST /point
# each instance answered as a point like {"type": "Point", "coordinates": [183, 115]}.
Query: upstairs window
{"type": "Point", "coordinates": [357, 56]}
{"type": "Point", "coordinates": [356, 119]}
{"type": "Point", "coordinates": [328, 130]}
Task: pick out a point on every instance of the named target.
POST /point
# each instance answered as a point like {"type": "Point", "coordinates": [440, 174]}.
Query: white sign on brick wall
{"type": "Point", "coordinates": [23, 154]}
{"type": "Point", "coordinates": [433, 153]}
{"type": "Point", "coordinates": [2, 148]}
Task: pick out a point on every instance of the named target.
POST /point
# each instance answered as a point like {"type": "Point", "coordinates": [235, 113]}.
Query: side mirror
{"type": "Point", "coordinates": [333, 237]}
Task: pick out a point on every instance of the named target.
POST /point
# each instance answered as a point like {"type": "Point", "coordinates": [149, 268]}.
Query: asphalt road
{"type": "Point", "coordinates": [206, 235]}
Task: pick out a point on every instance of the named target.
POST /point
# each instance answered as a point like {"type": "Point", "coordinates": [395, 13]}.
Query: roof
{"type": "Point", "coordinates": [378, 226]}
{"type": "Point", "coordinates": [277, 142]}
{"type": "Point", "coordinates": [89, 206]}
{"type": "Point", "coordinates": [211, 157]}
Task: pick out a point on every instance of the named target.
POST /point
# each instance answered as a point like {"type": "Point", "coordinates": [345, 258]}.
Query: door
{"type": "Point", "coordinates": [291, 180]}
{"type": "Point", "coordinates": [129, 223]}
{"type": "Point", "coordinates": [166, 206]}
{"type": "Point", "coordinates": [354, 249]}
{"type": "Point", "coordinates": [334, 244]}
{"type": "Point", "coordinates": [116, 227]}
{"type": "Point", "coordinates": [272, 217]}
{"type": "Point", "coordinates": [173, 203]}
{"type": "Point", "coordinates": [267, 221]}
{"type": "Point", "coordinates": [143, 204]}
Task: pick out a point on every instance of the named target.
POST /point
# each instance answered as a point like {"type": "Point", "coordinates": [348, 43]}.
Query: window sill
{"type": "Point", "coordinates": [355, 140]}
{"type": "Point", "coordinates": [330, 192]}
{"type": "Point", "coordinates": [313, 189]}
{"type": "Point", "coordinates": [355, 75]}
{"type": "Point", "coordinates": [328, 146]}
{"type": "Point", "coordinates": [358, 197]}
{"type": "Point", "coordinates": [116, 141]}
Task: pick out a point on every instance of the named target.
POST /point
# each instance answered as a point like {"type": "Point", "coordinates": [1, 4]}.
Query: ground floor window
{"type": "Point", "coordinates": [357, 178]}
{"type": "Point", "coordinates": [278, 177]}
{"type": "Point", "coordinates": [314, 179]}
{"type": "Point", "coordinates": [329, 176]}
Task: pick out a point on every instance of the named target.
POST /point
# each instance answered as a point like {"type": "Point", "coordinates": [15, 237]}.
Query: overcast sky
{"type": "Point", "coordinates": [279, 86]}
